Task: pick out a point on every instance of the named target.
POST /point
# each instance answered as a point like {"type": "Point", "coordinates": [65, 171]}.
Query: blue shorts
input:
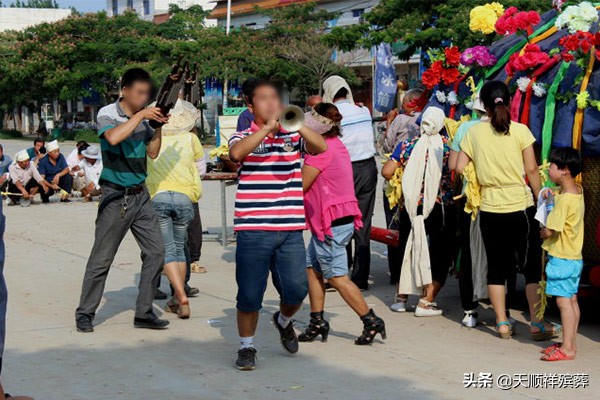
{"type": "Point", "coordinates": [329, 257]}
{"type": "Point", "coordinates": [562, 276]}
{"type": "Point", "coordinates": [175, 213]}
{"type": "Point", "coordinates": [282, 253]}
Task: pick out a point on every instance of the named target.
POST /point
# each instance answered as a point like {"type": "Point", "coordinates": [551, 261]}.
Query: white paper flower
{"type": "Point", "coordinates": [469, 104]}
{"type": "Point", "coordinates": [577, 17]}
{"type": "Point", "coordinates": [440, 96]}
{"type": "Point", "coordinates": [452, 98]}
{"type": "Point", "coordinates": [539, 89]}
{"type": "Point", "coordinates": [523, 83]}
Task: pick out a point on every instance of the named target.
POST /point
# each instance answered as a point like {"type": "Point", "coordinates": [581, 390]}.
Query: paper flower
{"type": "Point", "coordinates": [479, 55]}
{"type": "Point", "coordinates": [469, 104]}
{"type": "Point", "coordinates": [577, 18]}
{"type": "Point", "coordinates": [523, 83]}
{"type": "Point", "coordinates": [440, 96]}
{"type": "Point", "coordinates": [453, 98]}
{"type": "Point", "coordinates": [582, 99]}
{"type": "Point", "coordinates": [452, 56]}
{"type": "Point", "coordinates": [450, 76]}
{"type": "Point", "coordinates": [558, 4]}
{"type": "Point", "coordinates": [514, 20]}
{"type": "Point", "coordinates": [433, 75]}
{"type": "Point", "coordinates": [531, 58]}
{"type": "Point", "coordinates": [539, 89]}
{"type": "Point", "coordinates": [483, 18]}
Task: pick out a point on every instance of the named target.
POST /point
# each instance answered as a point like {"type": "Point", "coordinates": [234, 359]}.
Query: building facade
{"type": "Point", "coordinates": [150, 9]}
{"type": "Point", "coordinates": [12, 18]}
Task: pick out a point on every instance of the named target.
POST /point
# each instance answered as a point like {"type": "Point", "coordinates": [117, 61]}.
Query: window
{"type": "Point", "coordinates": [115, 7]}
{"type": "Point", "coordinates": [146, 7]}
{"type": "Point", "coordinates": [130, 4]}
{"type": "Point", "coordinates": [358, 12]}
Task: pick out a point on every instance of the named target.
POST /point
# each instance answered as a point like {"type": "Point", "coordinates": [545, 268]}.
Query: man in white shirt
{"type": "Point", "coordinates": [357, 135]}
{"type": "Point", "coordinates": [90, 170]}
{"type": "Point", "coordinates": [74, 160]}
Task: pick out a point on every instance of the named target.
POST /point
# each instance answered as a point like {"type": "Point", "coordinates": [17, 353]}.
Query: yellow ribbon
{"type": "Point", "coordinates": [578, 121]}
{"type": "Point", "coordinates": [452, 126]}
{"type": "Point", "coordinates": [219, 151]}
{"type": "Point", "coordinates": [472, 190]}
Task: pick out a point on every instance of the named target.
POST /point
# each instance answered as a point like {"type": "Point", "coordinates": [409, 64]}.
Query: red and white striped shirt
{"type": "Point", "coordinates": [269, 195]}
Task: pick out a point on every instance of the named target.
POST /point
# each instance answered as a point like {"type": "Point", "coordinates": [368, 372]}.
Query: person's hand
{"type": "Point", "coordinates": [55, 186]}
{"type": "Point", "coordinates": [392, 115]}
{"type": "Point", "coordinates": [26, 196]}
{"type": "Point", "coordinates": [55, 180]}
{"type": "Point", "coordinates": [3, 179]}
{"type": "Point", "coordinates": [75, 168]}
{"type": "Point", "coordinates": [154, 114]}
{"type": "Point", "coordinates": [545, 193]}
{"type": "Point", "coordinates": [272, 125]}
{"type": "Point", "coordinates": [45, 188]}
{"type": "Point", "coordinates": [545, 233]}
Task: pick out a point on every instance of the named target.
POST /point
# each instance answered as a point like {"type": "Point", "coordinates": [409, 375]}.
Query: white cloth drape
{"type": "Point", "coordinates": [332, 85]}
{"type": "Point", "coordinates": [479, 265]}
{"type": "Point", "coordinates": [422, 173]}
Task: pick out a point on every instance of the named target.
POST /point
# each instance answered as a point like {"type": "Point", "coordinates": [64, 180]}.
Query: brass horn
{"type": "Point", "coordinates": [292, 118]}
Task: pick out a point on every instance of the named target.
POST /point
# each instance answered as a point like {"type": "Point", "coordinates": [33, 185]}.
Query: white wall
{"type": "Point", "coordinates": [21, 18]}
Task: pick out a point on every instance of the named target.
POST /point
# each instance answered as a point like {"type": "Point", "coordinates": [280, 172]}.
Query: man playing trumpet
{"type": "Point", "coordinates": [269, 218]}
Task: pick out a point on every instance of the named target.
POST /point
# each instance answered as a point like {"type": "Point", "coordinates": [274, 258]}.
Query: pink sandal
{"type": "Point", "coordinates": [551, 348]}
{"type": "Point", "coordinates": [557, 355]}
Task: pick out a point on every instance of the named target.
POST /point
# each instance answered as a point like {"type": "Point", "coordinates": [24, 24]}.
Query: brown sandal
{"type": "Point", "coordinates": [184, 311]}
{"type": "Point", "coordinates": [172, 306]}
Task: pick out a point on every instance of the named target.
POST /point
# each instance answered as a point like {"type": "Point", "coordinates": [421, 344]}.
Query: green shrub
{"type": "Point", "coordinates": [89, 135]}
{"type": "Point", "coordinates": [10, 134]}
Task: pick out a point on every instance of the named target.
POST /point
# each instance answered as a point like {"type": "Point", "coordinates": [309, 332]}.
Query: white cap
{"type": "Point", "coordinates": [53, 145]}
{"type": "Point", "coordinates": [21, 156]}
{"type": "Point", "coordinates": [478, 104]}
{"type": "Point", "coordinates": [91, 152]}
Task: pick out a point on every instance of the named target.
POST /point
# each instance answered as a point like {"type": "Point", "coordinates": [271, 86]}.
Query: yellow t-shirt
{"type": "Point", "coordinates": [566, 220]}
{"type": "Point", "coordinates": [499, 166]}
{"type": "Point", "coordinates": [174, 169]}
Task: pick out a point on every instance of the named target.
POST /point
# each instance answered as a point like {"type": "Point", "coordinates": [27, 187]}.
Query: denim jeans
{"type": "Point", "coordinates": [175, 213]}
{"type": "Point", "coordinates": [282, 253]}
{"type": "Point", "coordinates": [328, 257]}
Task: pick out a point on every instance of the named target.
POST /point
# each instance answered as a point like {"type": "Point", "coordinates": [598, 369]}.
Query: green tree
{"type": "Point", "coordinates": [34, 4]}
{"type": "Point", "coordinates": [421, 24]}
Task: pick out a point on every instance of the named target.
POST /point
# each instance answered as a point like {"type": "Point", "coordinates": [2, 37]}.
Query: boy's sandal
{"type": "Point", "coordinates": [507, 334]}
{"type": "Point", "coordinates": [557, 355]}
{"type": "Point", "coordinates": [543, 333]}
{"type": "Point", "coordinates": [551, 348]}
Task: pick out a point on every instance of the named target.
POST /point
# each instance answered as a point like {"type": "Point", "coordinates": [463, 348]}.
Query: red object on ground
{"type": "Point", "coordinates": [595, 276]}
{"type": "Point", "coordinates": [385, 236]}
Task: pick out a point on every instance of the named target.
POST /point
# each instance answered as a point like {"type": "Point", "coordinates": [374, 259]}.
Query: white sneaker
{"type": "Point", "coordinates": [470, 319]}
{"type": "Point", "coordinates": [427, 309]}
{"type": "Point", "coordinates": [399, 305]}
{"type": "Point", "coordinates": [76, 194]}
{"type": "Point", "coordinates": [9, 202]}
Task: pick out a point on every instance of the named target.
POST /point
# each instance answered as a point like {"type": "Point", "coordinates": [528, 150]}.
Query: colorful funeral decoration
{"type": "Point", "coordinates": [551, 62]}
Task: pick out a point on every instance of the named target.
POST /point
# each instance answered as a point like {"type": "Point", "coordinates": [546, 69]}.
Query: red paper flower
{"type": "Point", "coordinates": [578, 44]}
{"type": "Point", "coordinates": [514, 20]}
{"type": "Point", "coordinates": [531, 58]}
{"type": "Point", "coordinates": [430, 78]}
{"type": "Point", "coordinates": [452, 56]}
{"type": "Point", "coordinates": [450, 76]}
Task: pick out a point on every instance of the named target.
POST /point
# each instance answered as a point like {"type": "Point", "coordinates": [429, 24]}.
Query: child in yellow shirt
{"type": "Point", "coordinates": [563, 240]}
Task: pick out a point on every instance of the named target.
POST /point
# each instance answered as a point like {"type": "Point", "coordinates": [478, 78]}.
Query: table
{"type": "Point", "coordinates": [225, 179]}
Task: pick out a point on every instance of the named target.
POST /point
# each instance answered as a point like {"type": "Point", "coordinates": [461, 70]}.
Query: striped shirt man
{"type": "Point", "coordinates": [269, 195]}
{"type": "Point", "coordinates": [124, 164]}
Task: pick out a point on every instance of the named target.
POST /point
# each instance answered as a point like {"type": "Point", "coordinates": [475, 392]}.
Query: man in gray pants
{"type": "Point", "coordinates": [126, 138]}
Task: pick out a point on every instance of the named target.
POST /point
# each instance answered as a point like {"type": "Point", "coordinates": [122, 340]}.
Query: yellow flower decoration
{"type": "Point", "coordinates": [582, 99]}
{"type": "Point", "coordinates": [219, 151]}
{"type": "Point", "coordinates": [472, 190]}
{"type": "Point", "coordinates": [483, 18]}
{"type": "Point", "coordinates": [394, 189]}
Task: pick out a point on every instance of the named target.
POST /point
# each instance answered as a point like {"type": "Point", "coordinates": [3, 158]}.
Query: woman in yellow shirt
{"type": "Point", "coordinates": [174, 185]}
{"type": "Point", "coordinates": [503, 155]}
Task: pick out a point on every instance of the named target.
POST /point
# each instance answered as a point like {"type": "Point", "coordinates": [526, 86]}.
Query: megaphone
{"type": "Point", "coordinates": [292, 118]}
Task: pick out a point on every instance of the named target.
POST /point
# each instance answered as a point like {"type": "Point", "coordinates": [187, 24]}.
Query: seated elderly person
{"type": "Point", "coordinates": [89, 172]}
{"type": "Point", "coordinates": [54, 169]}
{"type": "Point", "coordinates": [74, 160]}
{"type": "Point", "coordinates": [24, 179]}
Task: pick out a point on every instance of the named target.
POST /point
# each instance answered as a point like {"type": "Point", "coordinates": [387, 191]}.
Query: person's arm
{"type": "Point", "coordinates": [461, 162]}
{"type": "Point", "coordinates": [452, 160]}
{"type": "Point", "coordinates": [21, 188]}
{"type": "Point", "coordinates": [240, 149]}
{"type": "Point", "coordinates": [315, 144]}
{"type": "Point", "coordinates": [389, 169]}
{"type": "Point", "coordinates": [309, 174]}
{"type": "Point", "coordinates": [153, 146]}
{"type": "Point", "coordinates": [116, 135]}
{"type": "Point", "coordinates": [532, 170]}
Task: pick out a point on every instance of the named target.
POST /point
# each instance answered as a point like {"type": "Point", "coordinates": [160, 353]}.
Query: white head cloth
{"type": "Point", "coordinates": [332, 85]}
{"type": "Point", "coordinates": [423, 173]}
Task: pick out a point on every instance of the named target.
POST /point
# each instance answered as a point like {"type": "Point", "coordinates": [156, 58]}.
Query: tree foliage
{"type": "Point", "coordinates": [66, 59]}
{"type": "Point", "coordinates": [34, 4]}
{"type": "Point", "coordinates": [421, 24]}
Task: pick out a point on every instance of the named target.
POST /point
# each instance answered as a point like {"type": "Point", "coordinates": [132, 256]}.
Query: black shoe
{"type": "Point", "coordinates": [289, 340]}
{"type": "Point", "coordinates": [373, 325]}
{"type": "Point", "coordinates": [150, 323]}
{"type": "Point", "coordinates": [84, 324]}
{"type": "Point", "coordinates": [191, 291]}
{"type": "Point", "coordinates": [317, 326]}
{"type": "Point", "coordinates": [246, 360]}
{"type": "Point", "coordinates": [160, 295]}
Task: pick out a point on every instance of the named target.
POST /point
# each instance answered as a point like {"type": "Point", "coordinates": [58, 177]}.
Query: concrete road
{"type": "Point", "coordinates": [423, 358]}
